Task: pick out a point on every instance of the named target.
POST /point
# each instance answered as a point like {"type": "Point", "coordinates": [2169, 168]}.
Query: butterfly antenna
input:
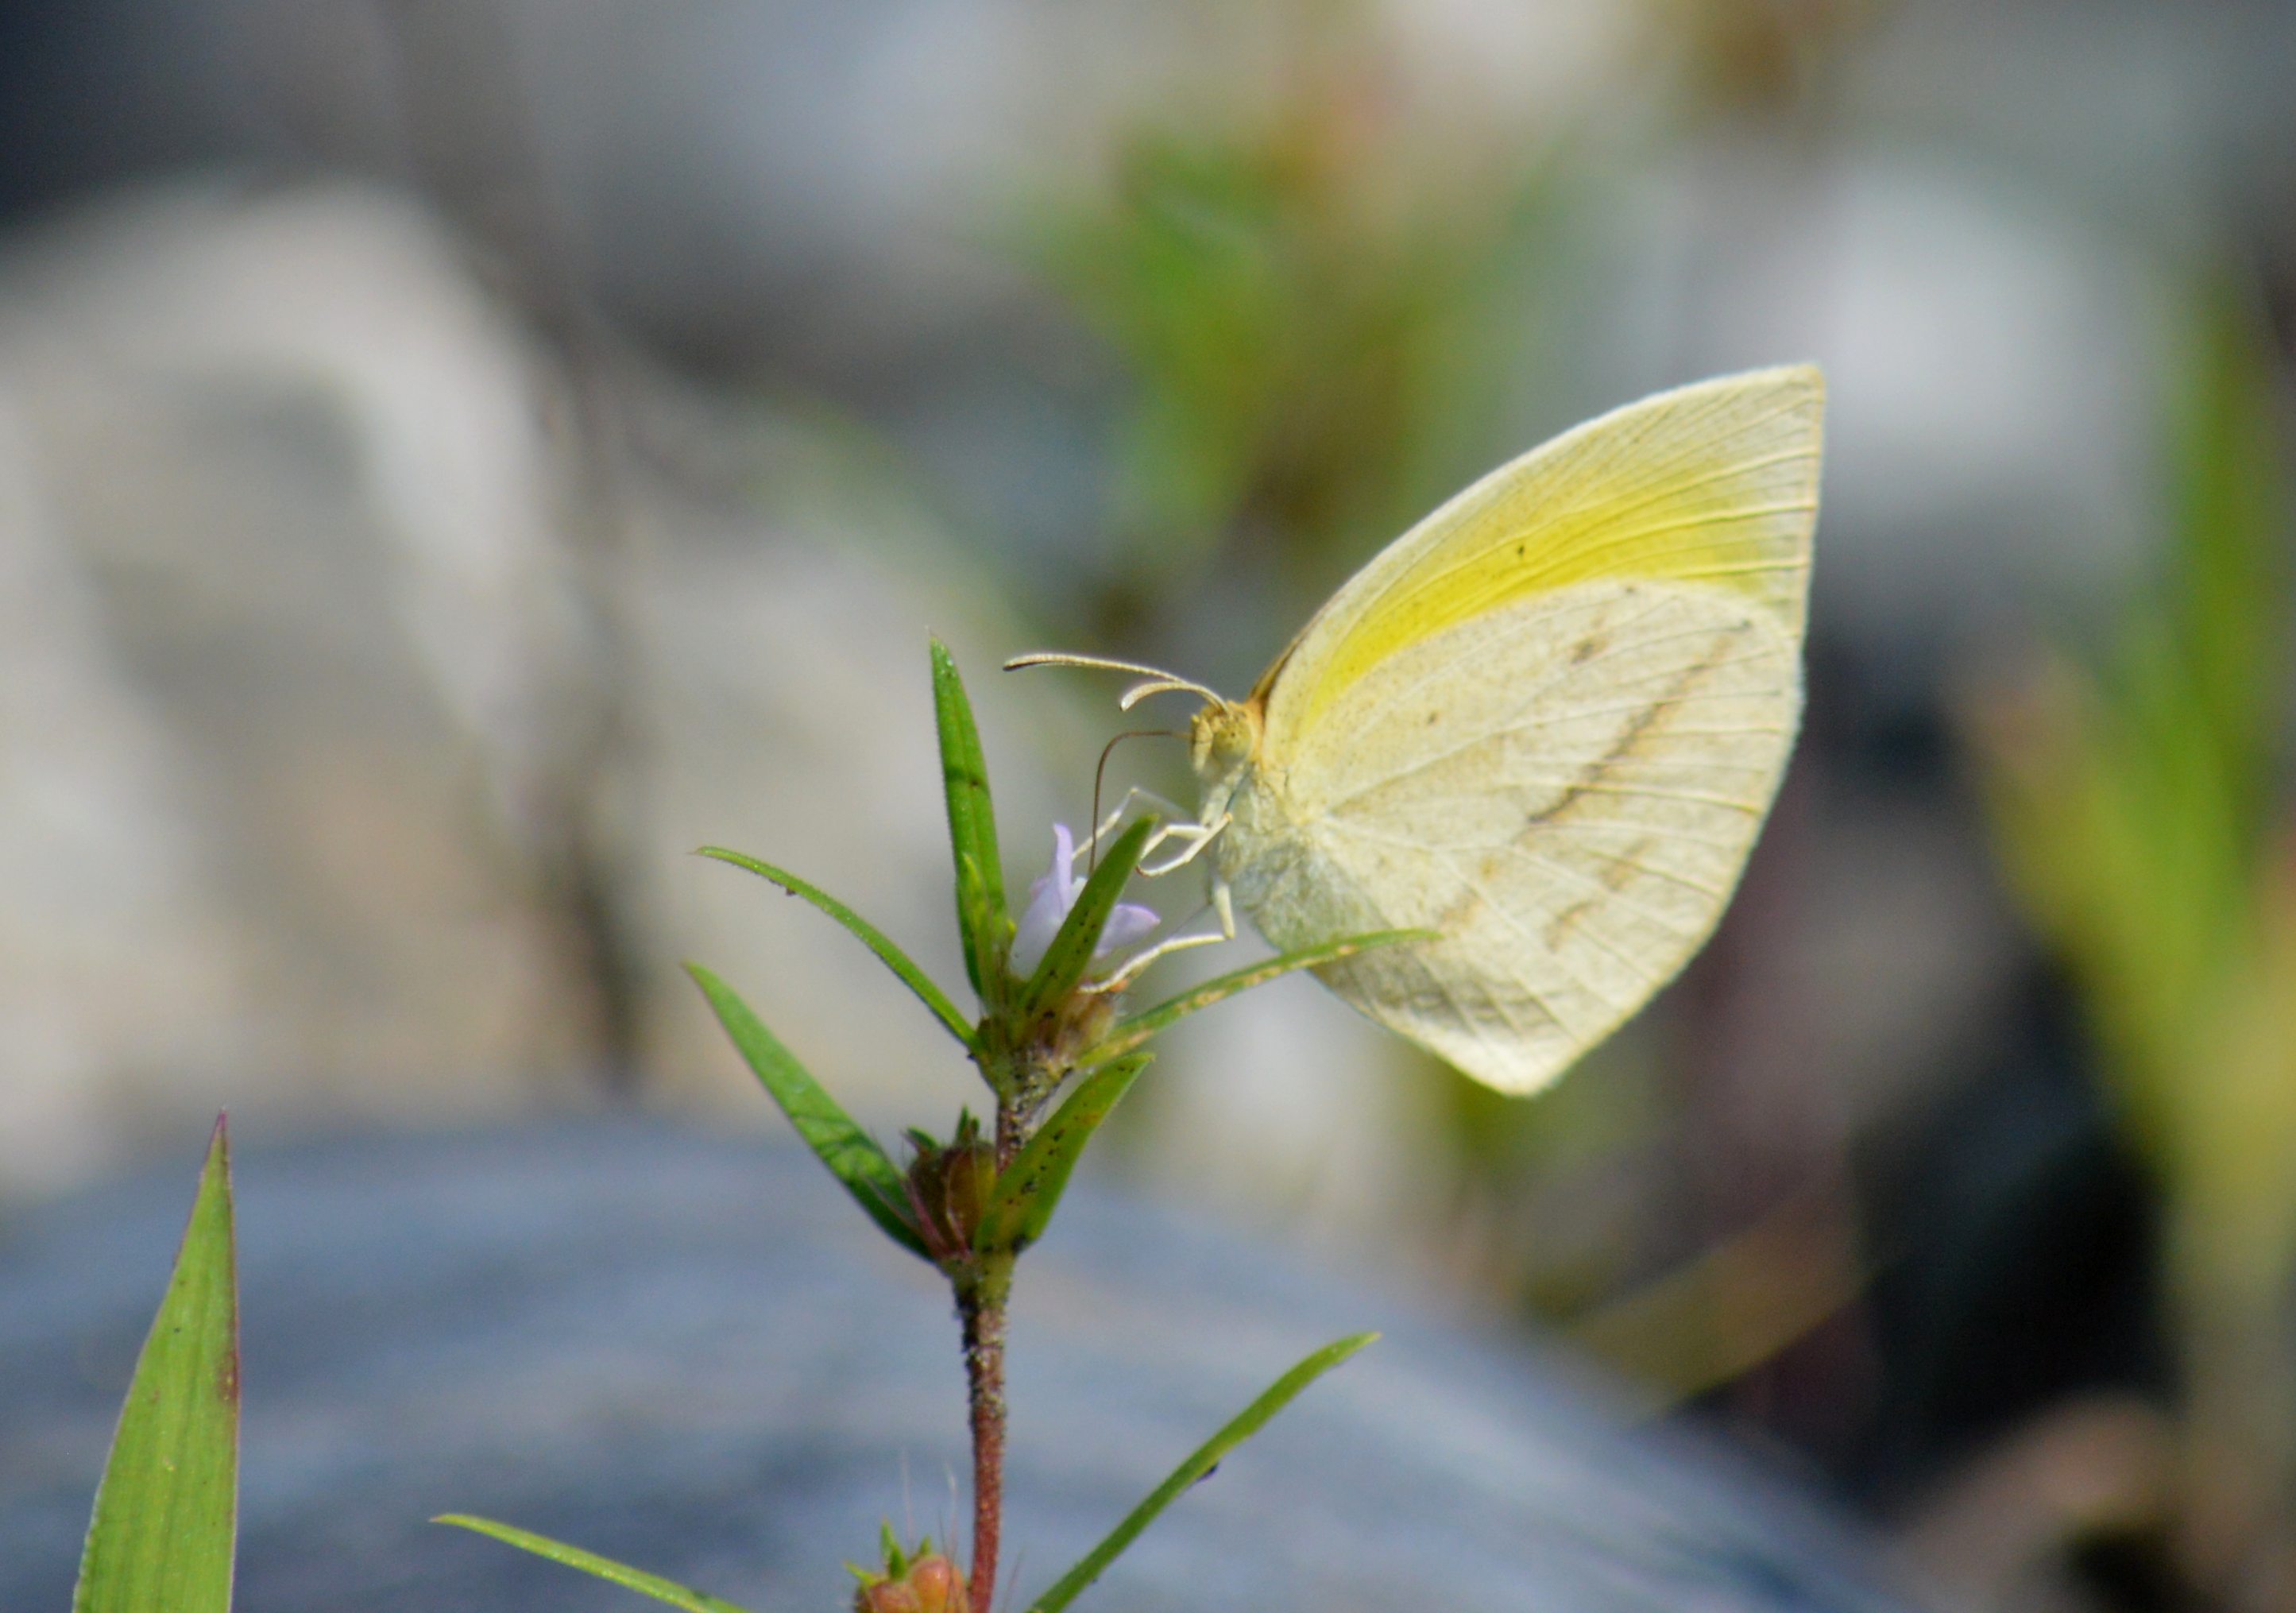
{"type": "Point", "coordinates": [1158, 681]}
{"type": "Point", "coordinates": [1092, 854]}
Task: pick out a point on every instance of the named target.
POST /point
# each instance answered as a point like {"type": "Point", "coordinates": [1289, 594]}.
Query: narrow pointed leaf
{"type": "Point", "coordinates": [590, 1562]}
{"type": "Point", "coordinates": [1030, 1189]}
{"type": "Point", "coordinates": [972, 830]}
{"type": "Point", "coordinates": [1207, 1456]}
{"type": "Point", "coordinates": [870, 935]}
{"type": "Point", "coordinates": [166, 1511]}
{"type": "Point", "coordinates": [980, 919]}
{"type": "Point", "coordinates": [851, 1153]}
{"type": "Point", "coordinates": [1134, 1030]}
{"type": "Point", "coordinates": [1071, 953]}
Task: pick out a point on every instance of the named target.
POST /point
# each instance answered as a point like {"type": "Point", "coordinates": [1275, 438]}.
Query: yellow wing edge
{"type": "Point", "coordinates": [1654, 489]}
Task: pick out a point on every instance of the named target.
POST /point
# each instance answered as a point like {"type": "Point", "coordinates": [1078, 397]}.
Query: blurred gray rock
{"type": "Point", "coordinates": [288, 465]}
{"type": "Point", "coordinates": [301, 659]}
{"type": "Point", "coordinates": [307, 649]}
{"type": "Point", "coordinates": [693, 1355]}
{"type": "Point", "coordinates": [110, 962]}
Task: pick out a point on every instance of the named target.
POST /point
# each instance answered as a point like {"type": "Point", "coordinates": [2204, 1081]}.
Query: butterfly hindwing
{"type": "Point", "coordinates": [1565, 789]}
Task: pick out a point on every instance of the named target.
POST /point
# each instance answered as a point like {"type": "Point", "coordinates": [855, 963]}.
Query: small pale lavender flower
{"type": "Point", "coordinates": [1049, 901]}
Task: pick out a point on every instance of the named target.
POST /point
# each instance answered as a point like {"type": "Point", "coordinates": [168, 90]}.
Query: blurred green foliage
{"type": "Point", "coordinates": [2135, 806]}
{"type": "Point", "coordinates": [1309, 324]}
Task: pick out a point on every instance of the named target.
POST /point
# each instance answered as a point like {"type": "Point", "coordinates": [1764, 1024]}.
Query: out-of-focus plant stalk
{"type": "Point", "coordinates": [2134, 809]}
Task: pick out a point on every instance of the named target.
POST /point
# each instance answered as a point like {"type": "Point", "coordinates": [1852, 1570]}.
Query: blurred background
{"type": "Point", "coordinates": [458, 455]}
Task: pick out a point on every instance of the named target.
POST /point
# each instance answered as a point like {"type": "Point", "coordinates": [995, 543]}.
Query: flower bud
{"type": "Point", "coordinates": [1087, 1020]}
{"type": "Point", "coordinates": [949, 1187]}
{"type": "Point", "coordinates": [968, 1177]}
{"type": "Point", "coordinates": [930, 1585]}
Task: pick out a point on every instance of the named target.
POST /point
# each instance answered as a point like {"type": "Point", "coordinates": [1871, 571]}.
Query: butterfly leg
{"type": "Point", "coordinates": [1133, 799]}
{"type": "Point", "coordinates": [1198, 836]}
{"type": "Point", "coordinates": [1223, 915]}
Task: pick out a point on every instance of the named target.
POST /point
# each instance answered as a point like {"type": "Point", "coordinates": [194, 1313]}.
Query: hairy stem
{"type": "Point", "coordinates": [982, 1307]}
{"type": "Point", "coordinates": [983, 1291]}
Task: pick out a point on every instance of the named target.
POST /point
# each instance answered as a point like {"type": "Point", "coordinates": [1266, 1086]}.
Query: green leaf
{"type": "Point", "coordinates": [980, 913]}
{"type": "Point", "coordinates": [2226, 592]}
{"type": "Point", "coordinates": [851, 1153]}
{"type": "Point", "coordinates": [981, 920]}
{"type": "Point", "coordinates": [166, 1511]}
{"type": "Point", "coordinates": [1249, 1422]}
{"type": "Point", "coordinates": [1069, 955]}
{"type": "Point", "coordinates": [1134, 1030]}
{"type": "Point", "coordinates": [1029, 1190]}
{"type": "Point", "coordinates": [870, 935]}
{"type": "Point", "coordinates": [590, 1562]}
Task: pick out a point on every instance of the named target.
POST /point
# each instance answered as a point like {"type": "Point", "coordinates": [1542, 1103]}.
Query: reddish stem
{"type": "Point", "coordinates": [983, 1312]}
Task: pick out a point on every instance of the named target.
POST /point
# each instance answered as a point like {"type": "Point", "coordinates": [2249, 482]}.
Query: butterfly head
{"type": "Point", "coordinates": [1222, 740]}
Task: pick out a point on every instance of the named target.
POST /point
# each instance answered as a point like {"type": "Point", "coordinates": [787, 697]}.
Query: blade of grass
{"type": "Point", "coordinates": [1207, 1456]}
{"type": "Point", "coordinates": [2227, 581]}
{"type": "Point", "coordinates": [980, 913]}
{"type": "Point", "coordinates": [869, 935]}
{"type": "Point", "coordinates": [1030, 1189]}
{"type": "Point", "coordinates": [590, 1562]}
{"type": "Point", "coordinates": [1069, 955]}
{"type": "Point", "coordinates": [1134, 1030]}
{"type": "Point", "coordinates": [851, 1153]}
{"type": "Point", "coordinates": [166, 1511]}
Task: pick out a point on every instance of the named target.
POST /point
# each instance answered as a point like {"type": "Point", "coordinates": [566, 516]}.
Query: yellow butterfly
{"type": "Point", "coordinates": [1545, 724]}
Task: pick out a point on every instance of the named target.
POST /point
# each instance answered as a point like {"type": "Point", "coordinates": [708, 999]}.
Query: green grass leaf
{"type": "Point", "coordinates": [1134, 1030]}
{"type": "Point", "coordinates": [870, 936]}
{"type": "Point", "coordinates": [1207, 1456]}
{"type": "Point", "coordinates": [590, 1562]}
{"type": "Point", "coordinates": [1030, 1189]}
{"type": "Point", "coordinates": [1069, 955]}
{"type": "Point", "coordinates": [851, 1153]}
{"type": "Point", "coordinates": [2226, 588]}
{"type": "Point", "coordinates": [167, 1511]}
{"type": "Point", "coordinates": [980, 913]}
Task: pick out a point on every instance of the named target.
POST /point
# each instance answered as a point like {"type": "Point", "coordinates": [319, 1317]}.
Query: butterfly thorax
{"type": "Point", "coordinates": [1258, 846]}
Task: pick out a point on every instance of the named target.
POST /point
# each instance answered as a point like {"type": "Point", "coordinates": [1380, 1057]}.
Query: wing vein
{"type": "Point", "coordinates": [1339, 803]}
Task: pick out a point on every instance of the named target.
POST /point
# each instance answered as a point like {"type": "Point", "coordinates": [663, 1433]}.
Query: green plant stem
{"type": "Point", "coordinates": [981, 1304]}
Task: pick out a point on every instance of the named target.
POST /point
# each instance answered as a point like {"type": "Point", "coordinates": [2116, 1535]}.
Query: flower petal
{"type": "Point", "coordinates": [1050, 899]}
{"type": "Point", "coordinates": [1040, 921]}
{"type": "Point", "coordinates": [1129, 922]}
{"type": "Point", "coordinates": [1064, 866]}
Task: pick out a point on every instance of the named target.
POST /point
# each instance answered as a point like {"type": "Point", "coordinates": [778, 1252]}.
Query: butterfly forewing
{"type": "Point", "coordinates": [1546, 723]}
{"type": "Point", "coordinates": [1714, 483]}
